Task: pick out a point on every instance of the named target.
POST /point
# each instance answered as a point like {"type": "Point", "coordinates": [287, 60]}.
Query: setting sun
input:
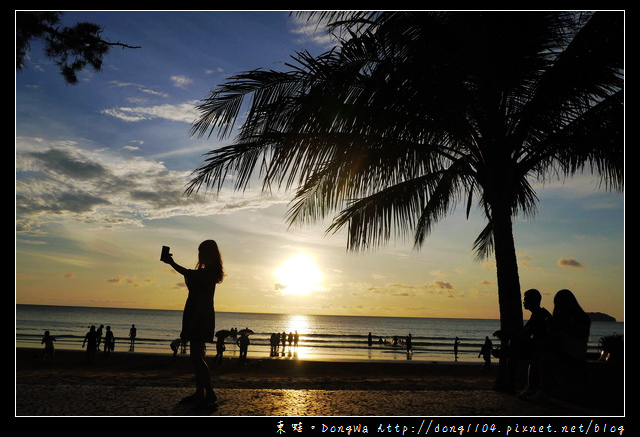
{"type": "Point", "coordinates": [299, 275]}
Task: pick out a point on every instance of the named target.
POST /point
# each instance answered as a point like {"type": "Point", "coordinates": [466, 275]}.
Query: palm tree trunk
{"type": "Point", "coordinates": [509, 296]}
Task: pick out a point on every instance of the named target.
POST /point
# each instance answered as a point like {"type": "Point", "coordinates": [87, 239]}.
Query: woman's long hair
{"type": "Point", "coordinates": [566, 307]}
{"type": "Point", "coordinates": [209, 258]}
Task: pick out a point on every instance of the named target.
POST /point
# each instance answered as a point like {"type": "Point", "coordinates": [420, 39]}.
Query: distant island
{"type": "Point", "coordinates": [601, 317]}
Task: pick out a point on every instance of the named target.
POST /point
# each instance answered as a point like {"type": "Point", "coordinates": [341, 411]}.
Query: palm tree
{"type": "Point", "coordinates": [416, 112]}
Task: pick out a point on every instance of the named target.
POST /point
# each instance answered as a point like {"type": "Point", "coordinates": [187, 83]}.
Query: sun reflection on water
{"type": "Point", "coordinates": [297, 324]}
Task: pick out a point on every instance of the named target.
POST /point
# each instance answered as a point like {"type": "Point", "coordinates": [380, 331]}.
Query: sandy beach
{"type": "Point", "coordinates": [142, 384]}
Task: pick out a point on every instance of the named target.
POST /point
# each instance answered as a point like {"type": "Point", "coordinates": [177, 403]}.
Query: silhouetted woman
{"type": "Point", "coordinates": [566, 347]}
{"type": "Point", "coordinates": [198, 318]}
{"type": "Point", "coordinates": [570, 327]}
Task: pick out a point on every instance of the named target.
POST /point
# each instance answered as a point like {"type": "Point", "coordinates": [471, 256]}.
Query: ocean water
{"type": "Point", "coordinates": [321, 337]}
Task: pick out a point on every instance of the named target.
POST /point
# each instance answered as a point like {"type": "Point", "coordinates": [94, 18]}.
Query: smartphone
{"type": "Point", "coordinates": [165, 253]}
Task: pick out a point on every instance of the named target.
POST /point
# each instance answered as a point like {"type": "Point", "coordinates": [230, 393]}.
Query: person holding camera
{"type": "Point", "coordinates": [198, 317]}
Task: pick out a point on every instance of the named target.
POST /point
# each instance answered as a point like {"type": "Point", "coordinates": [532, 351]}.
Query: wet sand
{"type": "Point", "coordinates": [141, 384]}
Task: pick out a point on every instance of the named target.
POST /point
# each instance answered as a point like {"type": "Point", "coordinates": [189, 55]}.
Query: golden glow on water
{"type": "Point", "coordinates": [297, 324]}
{"type": "Point", "coordinates": [299, 275]}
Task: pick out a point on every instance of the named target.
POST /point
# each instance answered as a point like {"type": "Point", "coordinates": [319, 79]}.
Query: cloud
{"type": "Point", "coordinates": [141, 88]}
{"type": "Point", "coordinates": [182, 112]}
{"type": "Point", "coordinates": [214, 70]}
{"type": "Point", "coordinates": [64, 182]}
{"type": "Point", "coordinates": [129, 281]}
{"type": "Point", "coordinates": [181, 81]}
{"type": "Point", "coordinates": [312, 31]}
{"type": "Point", "coordinates": [570, 263]}
{"type": "Point", "coordinates": [406, 290]}
{"type": "Point", "coordinates": [68, 164]}
{"type": "Point", "coordinates": [443, 285]}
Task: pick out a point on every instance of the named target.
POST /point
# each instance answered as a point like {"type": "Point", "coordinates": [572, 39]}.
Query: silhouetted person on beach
{"type": "Point", "coordinates": [409, 344]}
{"type": "Point", "coordinates": [456, 343]}
{"type": "Point", "coordinates": [109, 341]}
{"type": "Point", "coordinates": [485, 351]}
{"type": "Point", "coordinates": [296, 339]}
{"type": "Point", "coordinates": [243, 344]}
{"type": "Point", "coordinates": [198, 317]}
{"type": "Point", "coordinates": [175, 346]}
{"type": "Point", "coordinates": [49, 350]}
{"type": "Point", "coordinates": [370, 339]}
{"type": "Point", "coordinates": [565, 350]}
{"type": "Point", "coordinates": [220, 348]}
{"type": "Point", "coordinates": [274, 342]}
{"type": "Point", "coordinates": [91, 340]}
{"type": "Point", "coordinates": [99, 335]}
{"type": "Point", "coordinates": [535, 334]}
{"type": "Point", "coordinates": [132, 337]}
{"type": "Point", "coordinates": [525, 343]}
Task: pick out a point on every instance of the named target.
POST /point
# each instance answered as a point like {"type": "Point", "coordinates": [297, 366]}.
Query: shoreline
{"type": "Point", "coordinates": [160, 369]}
{"type": "Point", "coordinates": [120, 384]}
{"type": "Point", "coordinates": [262, 352]}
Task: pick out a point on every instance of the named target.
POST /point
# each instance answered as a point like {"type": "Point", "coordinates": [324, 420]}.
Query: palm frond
{"type": "Point", "coordinates": [483, 246]}
{"type": "Point", "coordinates": [415, 112]}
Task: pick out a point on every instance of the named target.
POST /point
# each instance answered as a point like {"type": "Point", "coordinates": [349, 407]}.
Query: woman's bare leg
{"type": "Point", "coordinates": [204, 388]}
